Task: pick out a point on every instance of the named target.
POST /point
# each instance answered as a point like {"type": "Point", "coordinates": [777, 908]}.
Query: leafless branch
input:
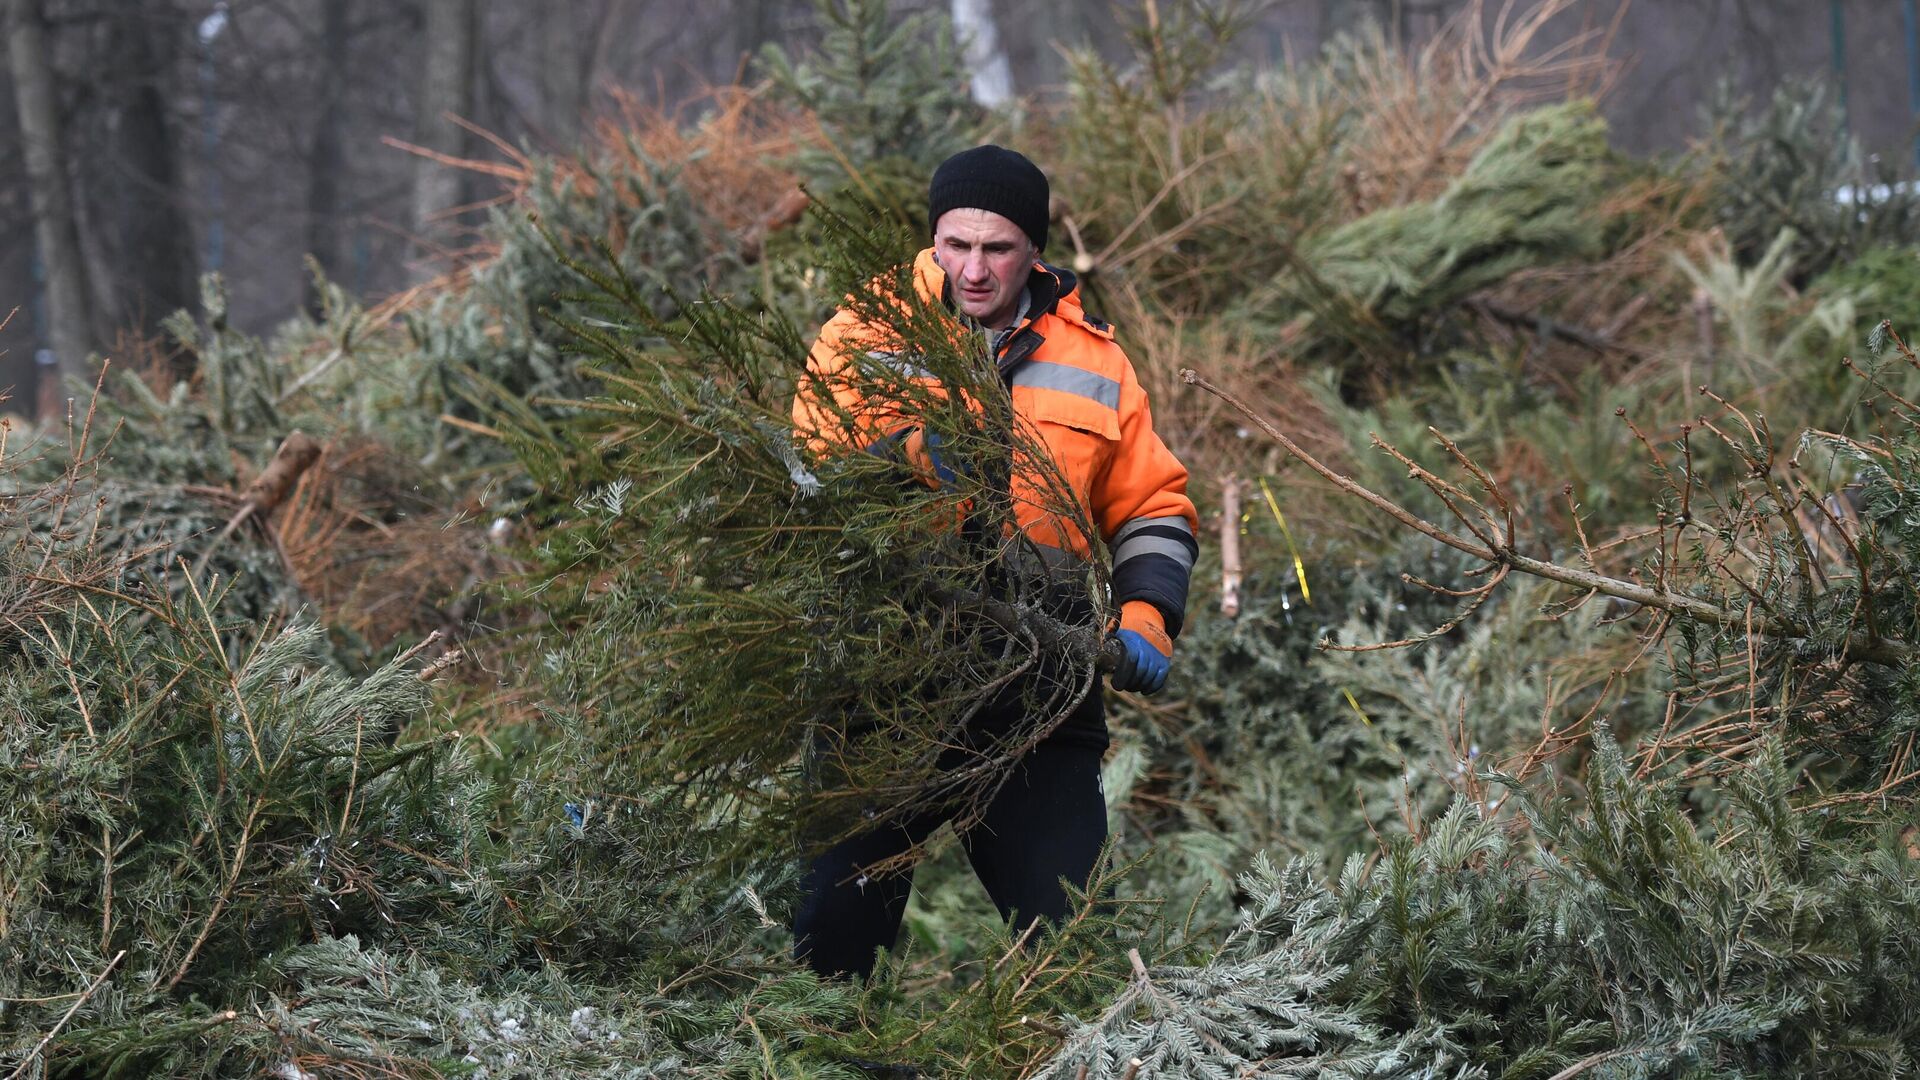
{"type": "Point", "coordinates": [1495, 547]}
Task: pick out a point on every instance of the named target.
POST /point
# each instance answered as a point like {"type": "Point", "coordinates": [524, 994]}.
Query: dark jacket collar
{"type": "Point", "coordinates": [1045, 286]}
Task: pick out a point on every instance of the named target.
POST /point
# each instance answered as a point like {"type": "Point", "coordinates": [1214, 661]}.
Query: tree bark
{"type": "Point", "coordinates": [154, 253]}
{"type": "Point", "coordinates": [57, 234]}
{"type": "Point", "coordinates": [1343, 16]}
{"type": "Point", "coordinates": [446, 90]}
{"type": "Point", "coordinates": [991, 74]}
{"type": "Point", "coordinates": [752, 27]}
{"type": "Point", "coordinates": [325, 161]}
{"type": "Point", "coordinates": [563, 82]}
{"type": "Point", "coordinates": [1043, 30]}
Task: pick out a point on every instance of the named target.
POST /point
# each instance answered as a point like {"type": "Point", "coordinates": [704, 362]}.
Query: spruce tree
{"type": "Point", "coordinates": [889, 96]}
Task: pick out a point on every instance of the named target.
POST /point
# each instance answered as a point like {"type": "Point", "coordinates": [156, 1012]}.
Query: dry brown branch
{"type": "Point", "coordinates": [1478, 597]}
{"type": "Point", "coordinates": [1420, 121]}
{"type": "Point", "coordinates": [1344, 483]}
{"type": "Point", "coordinates": [1496, 549]}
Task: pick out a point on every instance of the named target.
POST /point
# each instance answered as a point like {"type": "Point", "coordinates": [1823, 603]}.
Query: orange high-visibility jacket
{"type": "Point", "coordinates": [1075, 388]}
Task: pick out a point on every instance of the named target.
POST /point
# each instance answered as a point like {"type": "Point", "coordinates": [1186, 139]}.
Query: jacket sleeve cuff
{"type": "Point", "coordinates": [1152, 561]}
{"type": "Point", "coordinates": [1160, 581]}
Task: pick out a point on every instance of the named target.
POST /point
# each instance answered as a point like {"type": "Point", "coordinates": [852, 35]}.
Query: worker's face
{"type": "Point", "coordinates": [987, 259]}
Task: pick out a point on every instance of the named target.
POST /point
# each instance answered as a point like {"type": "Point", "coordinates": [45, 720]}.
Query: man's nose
{"type": "Point", "coordinates": [975, 269]}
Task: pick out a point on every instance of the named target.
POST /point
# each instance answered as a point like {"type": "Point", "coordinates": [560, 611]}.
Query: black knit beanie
{"type": "Point", "coordinates": [992, 178]}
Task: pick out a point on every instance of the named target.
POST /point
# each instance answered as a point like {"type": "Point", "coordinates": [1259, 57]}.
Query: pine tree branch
{"type": "Point", "coordinates": [220, 901]}
{"type": "Point", "coordinates": [1592, 1060]}
{"type": "Point", "coordinates": [1498, 551]}
{"type": "Point", "coordinates": [21, 1069]}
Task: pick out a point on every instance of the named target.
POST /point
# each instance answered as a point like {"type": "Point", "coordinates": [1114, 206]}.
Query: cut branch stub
{"type": "Point", "coordinates": [1230, 547]}
{"type": "Point", "coordinates": [297, 453]}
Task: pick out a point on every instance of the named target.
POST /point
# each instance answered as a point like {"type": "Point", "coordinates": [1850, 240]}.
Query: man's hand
{"type": "Point", "coordinates": [920, 450]}
{"type": "Point", "coordinates": [923, 453]}
{"type": "Point", "coordinates": [1148, 651]}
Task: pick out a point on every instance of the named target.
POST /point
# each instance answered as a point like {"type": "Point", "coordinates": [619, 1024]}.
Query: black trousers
{"type": "Point", "coordinates": [1047, 822]}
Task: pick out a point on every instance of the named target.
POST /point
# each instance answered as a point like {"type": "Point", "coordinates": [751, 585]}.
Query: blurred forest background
{"type": "Point", "coordinates": [408, 659]}
{"type": "Point", "coordinates": [238, 136]}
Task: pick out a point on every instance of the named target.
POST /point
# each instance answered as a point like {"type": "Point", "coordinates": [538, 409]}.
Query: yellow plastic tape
{"type": "Point", "coordinates": [1299, 567]}
{"type": "Point", "coordinates": [1357, 710]}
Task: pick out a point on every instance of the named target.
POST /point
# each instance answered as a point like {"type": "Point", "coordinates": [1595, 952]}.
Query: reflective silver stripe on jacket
{"type": "Point", "coordinates": [1130, 541]}
{"type": "Point", "coordinates": [1044, 375]}
{"type": "Point", "coordinates": [903, 364]}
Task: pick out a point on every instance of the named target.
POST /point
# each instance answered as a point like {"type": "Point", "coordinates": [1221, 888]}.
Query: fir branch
{"type": "Point", "coordinates": [20, 1070]}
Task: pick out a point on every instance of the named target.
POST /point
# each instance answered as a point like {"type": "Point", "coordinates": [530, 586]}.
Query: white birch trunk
{"type": "Point", "coordinates": [991, 74]}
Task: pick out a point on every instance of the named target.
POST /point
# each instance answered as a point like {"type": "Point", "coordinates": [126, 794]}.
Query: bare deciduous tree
{"type": "Point", "coordinates": [151, 251]}
{"type": "Point", "coordinates": [563, 70]}
{"type": "Point", "coordinates": [446, 91]}
{"type": "Point", "coordinates": [325, 162]}
{"type": "Point", "coordinates": [43, 135]}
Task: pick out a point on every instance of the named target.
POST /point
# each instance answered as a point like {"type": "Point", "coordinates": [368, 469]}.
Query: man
{"type": "Point", "coordinates": [1071, 384]}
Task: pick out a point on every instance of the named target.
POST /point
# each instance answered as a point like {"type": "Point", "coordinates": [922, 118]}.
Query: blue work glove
{"type": "Point", "coordinates": [1146, 650]}
{"type": "Point", "coordinates": [920, 449]}
{"type": "Point", "coordinates": [923, 451]}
